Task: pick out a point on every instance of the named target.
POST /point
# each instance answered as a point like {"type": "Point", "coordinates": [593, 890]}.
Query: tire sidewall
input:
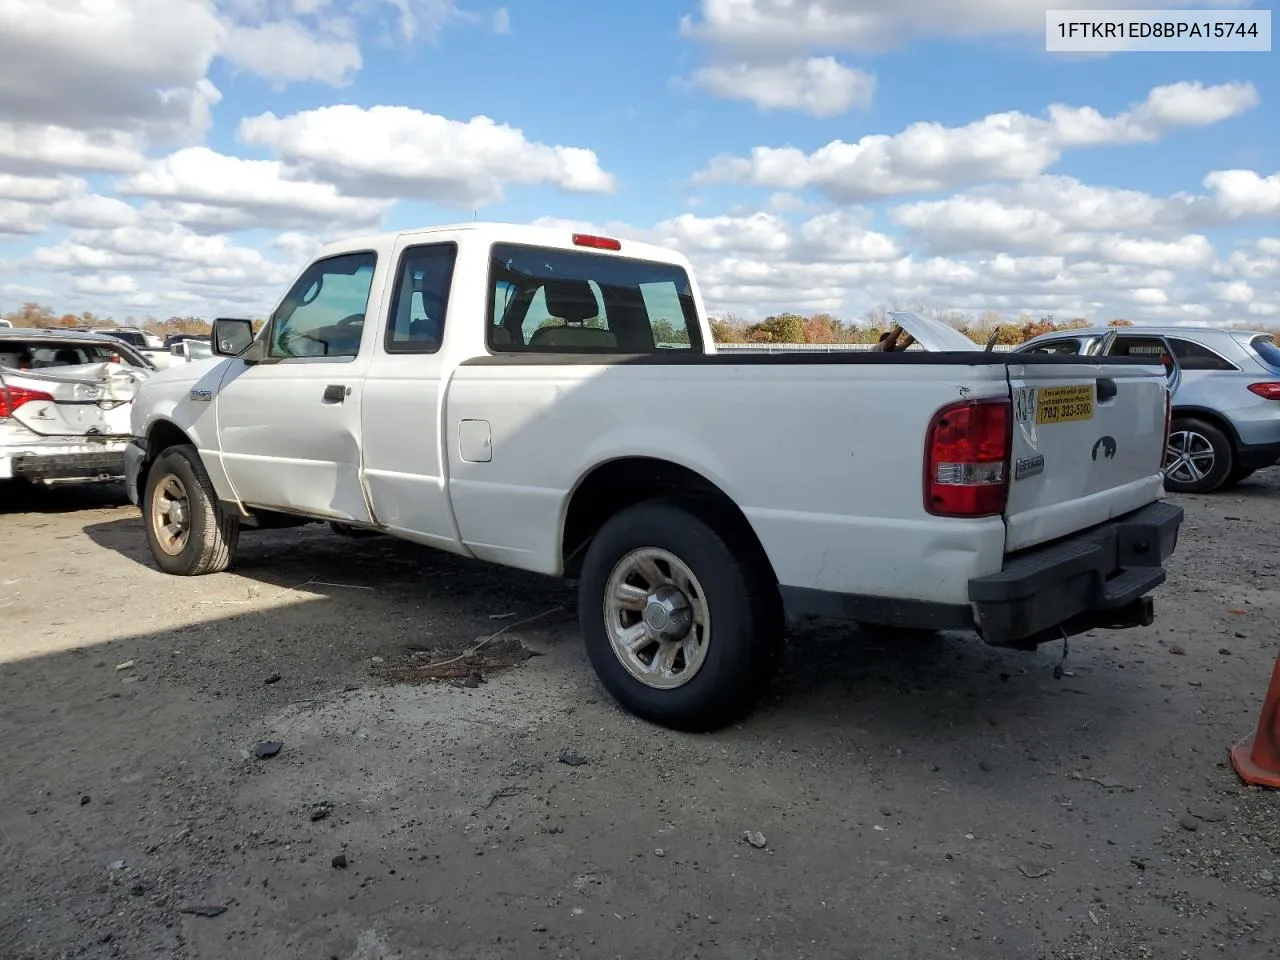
{"type": "Point", "coordinates": [174, 461]}
{"type": "Point", "coordinates": [734, 651]}
{"type": "Point", "coordinates": [1224, 459]}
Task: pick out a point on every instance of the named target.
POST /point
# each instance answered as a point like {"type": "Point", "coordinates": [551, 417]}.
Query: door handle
{"type": "Point", "coordinates": [335, 393]}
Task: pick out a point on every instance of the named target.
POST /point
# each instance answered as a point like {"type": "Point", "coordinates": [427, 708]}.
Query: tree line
{"type": "Point", "coordinates": [825, 328]}
{"type": "Point", "coordinates": [779, 328]}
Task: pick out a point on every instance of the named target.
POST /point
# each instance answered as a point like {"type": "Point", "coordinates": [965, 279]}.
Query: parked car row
{"type": "Point", "coordinates": [1226, 395]}
{"type": "Point", "coordinates": [66, 396]}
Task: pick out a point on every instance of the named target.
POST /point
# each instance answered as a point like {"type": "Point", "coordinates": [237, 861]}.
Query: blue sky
{"type": "Point", "coordinates": [184, 156]}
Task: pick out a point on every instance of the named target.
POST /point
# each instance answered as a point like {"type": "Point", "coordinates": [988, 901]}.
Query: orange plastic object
{"type": "Point", "coordinates": [1258, 760]}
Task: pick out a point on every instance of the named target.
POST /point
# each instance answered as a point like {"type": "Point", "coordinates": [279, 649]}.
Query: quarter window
{"type": "Point", "coordinates": [1192, 356]}
{"type": "Point", "coordinates": [421, 298]}
{"type": "Point", "coordinates": [323, 315]}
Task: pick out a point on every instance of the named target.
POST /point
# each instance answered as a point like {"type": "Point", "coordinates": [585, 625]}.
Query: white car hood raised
{"type": "Point", "coordinates": [934, 335]}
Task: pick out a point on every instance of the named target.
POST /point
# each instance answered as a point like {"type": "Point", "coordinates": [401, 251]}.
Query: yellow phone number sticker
{"type": "Point", "coordinates": [1064, 404]}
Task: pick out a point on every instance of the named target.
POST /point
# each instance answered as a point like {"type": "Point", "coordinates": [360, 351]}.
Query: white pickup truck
{"type": "Point", "coordinates": [555, 402]}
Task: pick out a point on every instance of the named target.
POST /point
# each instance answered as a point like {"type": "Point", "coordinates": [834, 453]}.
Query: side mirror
{"type": "Point", "coordinates": [232, 337]}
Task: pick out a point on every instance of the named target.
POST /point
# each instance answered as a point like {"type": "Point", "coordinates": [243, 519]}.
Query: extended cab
{"type": "Point", "coordinates": [555, 402]}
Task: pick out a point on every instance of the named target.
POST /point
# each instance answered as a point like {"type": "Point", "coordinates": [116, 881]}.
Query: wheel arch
{"type": "Point", "coordinates": [621, 482]}
{"type": "Point", "coordinates": [161, 435]}
{"type": "Point", "coordinates": [1212, 417]}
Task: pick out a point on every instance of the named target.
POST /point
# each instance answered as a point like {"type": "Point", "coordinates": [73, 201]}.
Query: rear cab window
{"type": "Point", "coordinates": [547, 300]}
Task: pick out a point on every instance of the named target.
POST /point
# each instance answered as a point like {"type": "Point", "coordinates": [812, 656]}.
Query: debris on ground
{"type": "Point", "coordinates": [267, 748]}
{"type": "Point", "coordinates": [321, 811]}
{"type": "Point", "coordinates": [1177, 650]}
{"type": "Point", "coordinates": [1189, 822]}
{"type": "Point", "coordinates": [1034, 871]}
{"type": "Point", "coordinates": [503, 794]}
{"type": "Point", "coordinates": [274, 678]}
{"type": "Point", "coordinates": [1207, 812]}
{"type": "Point", "coordinates": [127, 665]}
{"type": "Point", "coordinates": [573, 758]}
{"type": "Point", "coordinates": [755, 838]}
{"type": "Point", "coordinates": [204, 909]}
{"type": "Point", "coordinates": [339, 862]}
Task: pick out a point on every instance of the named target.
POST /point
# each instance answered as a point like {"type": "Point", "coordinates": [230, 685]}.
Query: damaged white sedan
{"type": "Point", "coordinates": [65, 401]}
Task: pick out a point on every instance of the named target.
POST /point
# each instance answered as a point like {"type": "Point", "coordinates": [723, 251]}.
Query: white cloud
{"type": "Point", "coordinates": [1242, 193]}
{"type": "Point", "coordinates": [818, 86]}
{"type": "Point", "coordinates": [17, 218]}
{"type": "Point", "coordinates": [104, 64]}
{"type": "Point", "coordinates": [105, 284]}
{"type": "Point", "coordinates": [754, 264]}
{"type": "Point", "coordinates": [212, 189]}
{"type": "Point", "coordinates": [392, 151]}
{"type": "Point", "coordinates": [874, 25]}
{"type": "Point", "coordinates": [287, 50]}
{"type": "Point", "coordinates": [502, 21]}
{"type": "Point", "coordinates": [928, 156]}
{"type": "Point", "coordinates": [39, 148]}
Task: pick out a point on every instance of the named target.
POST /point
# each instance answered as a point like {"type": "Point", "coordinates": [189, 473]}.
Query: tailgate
{"type": "Point", "coordinates": [85, 400]}
{"type": "Point", "coordinates": [1088, 445]}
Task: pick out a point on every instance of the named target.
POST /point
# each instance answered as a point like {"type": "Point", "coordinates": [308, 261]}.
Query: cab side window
{"type": "Point", "coordinates": [421, 298]}
{"type": "Point", "coordinates": [1148, 348]}
{"type": "Point", "coordinates": [324, 314]}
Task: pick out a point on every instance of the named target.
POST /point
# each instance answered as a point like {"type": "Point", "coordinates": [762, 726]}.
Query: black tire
{"type": "Point", "coordinates": [742, 651]}
{"type": "Point", "coordinates": [1202, 436]}
{"type": "Point", "coordinates": [1238, 475]}
{"type": "Point", "coordinates": [212, 535]}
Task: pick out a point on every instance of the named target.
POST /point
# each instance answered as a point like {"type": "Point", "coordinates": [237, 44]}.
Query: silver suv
{"type": "Point", "coordinates": [1226, 395]}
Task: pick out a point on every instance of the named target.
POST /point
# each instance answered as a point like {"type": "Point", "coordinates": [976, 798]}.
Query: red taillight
{"type": "Point", "coordinates": [1268, 391]}
{"type": "Point", "coordinates": [11, 398]}
{"type": "Point", "coordinates": [598, 243]}
{"type": "Point", "coordinates": [967, 459]}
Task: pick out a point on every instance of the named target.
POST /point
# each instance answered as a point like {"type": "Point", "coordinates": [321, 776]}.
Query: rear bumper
{"type": "Point", "coordinates": [1097, 578]}
{"type": "Point", "coordinates": [133, 456]}
{"type": "Point", "coordinates": [1255, 456]}
{"type": "Point", "coordinates": [88, 465]}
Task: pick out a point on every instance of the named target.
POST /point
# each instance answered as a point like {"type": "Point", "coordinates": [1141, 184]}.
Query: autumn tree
{"type": "Point", "coordinates": [783, 328]}
{"type": "Point", "coordinates": [1034, 328]}
{"type": "Point", "coordinates": [1120, 323]}
{"type": "Point", "coordinates": [822, 328]}
{"type": "Point", "coordinates": [726, 329]}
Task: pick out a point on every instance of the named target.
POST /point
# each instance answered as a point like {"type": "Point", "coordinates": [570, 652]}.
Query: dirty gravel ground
{"type": "Point", "coordinates": [918, 797]}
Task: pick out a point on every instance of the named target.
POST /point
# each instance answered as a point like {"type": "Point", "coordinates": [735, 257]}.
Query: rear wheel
{"type": "Point", "coordinates": [1237, 476]}
{"type": "Point", "coordinates": [189, 535]}
{"type": "Point", "coordinates": [1198, 457]}
{"type": "Point", "coordinates": [681, 625]}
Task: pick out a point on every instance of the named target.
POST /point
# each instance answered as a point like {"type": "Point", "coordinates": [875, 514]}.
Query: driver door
{"type": "Point", "coordinates": [289, 424]}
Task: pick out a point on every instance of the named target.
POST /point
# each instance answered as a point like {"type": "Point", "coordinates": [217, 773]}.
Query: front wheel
{"type": "Point", "coordinates": [679, 621]}
{"type": "Point", "coordinates": [189, 535]}
{"type": "Point", "coordinates": [1198, 457]}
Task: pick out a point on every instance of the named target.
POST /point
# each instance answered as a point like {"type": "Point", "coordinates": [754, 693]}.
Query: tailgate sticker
{"type": "Point", "coordinates": [1064, 404]}
{"type": "Point", "coordinates": [1024, 404]}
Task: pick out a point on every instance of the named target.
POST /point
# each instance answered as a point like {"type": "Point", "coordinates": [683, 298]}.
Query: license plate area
{"type": "Point", "coordinates": [1064, 404]}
